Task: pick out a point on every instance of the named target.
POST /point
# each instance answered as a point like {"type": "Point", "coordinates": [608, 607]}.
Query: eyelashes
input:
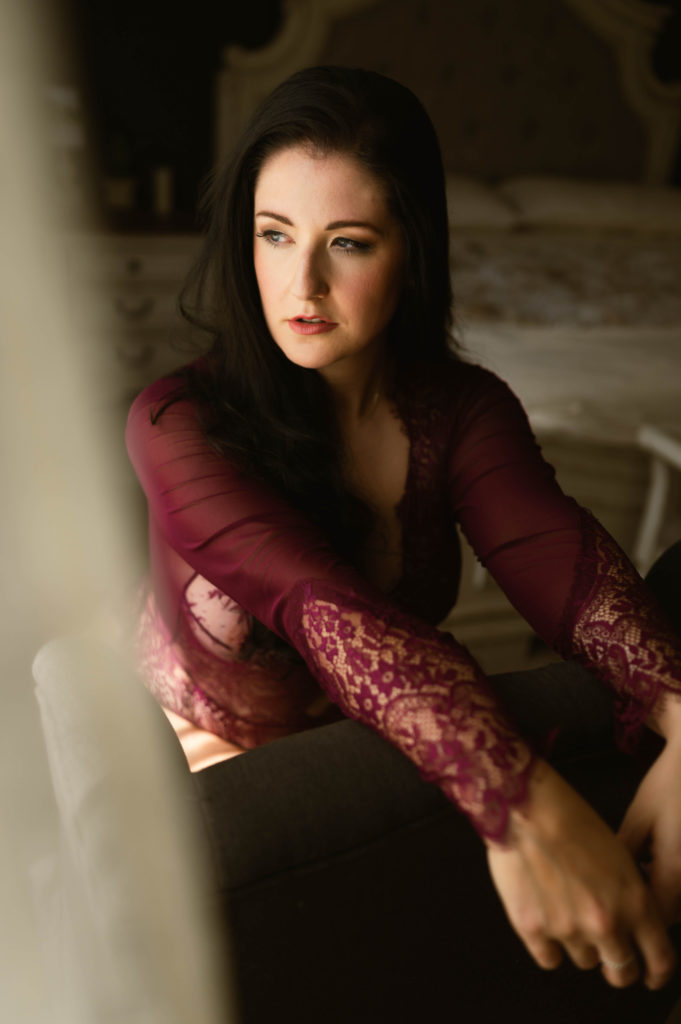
{"type": "Point", "coordinates": [278, 239]}
{"type": "Point", "coordinates": [351, 245]}
{"type": "Point", "coordinates": [269, 236]}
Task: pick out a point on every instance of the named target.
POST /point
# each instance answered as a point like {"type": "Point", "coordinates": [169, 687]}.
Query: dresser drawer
{"type": "Point", "coordinates": [124, 301]}
{"type": "Point", "coordinates": [121, 307]}
{"type": "Point", "coordinates": [135, 259]}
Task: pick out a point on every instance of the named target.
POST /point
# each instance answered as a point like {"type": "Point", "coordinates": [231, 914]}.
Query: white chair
{"type": "Point", "coordinates": [126, 937]}
{"type": "Point", "coordinates": [664, 447]}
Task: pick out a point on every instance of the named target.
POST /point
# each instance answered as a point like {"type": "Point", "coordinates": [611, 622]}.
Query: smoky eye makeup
{"type": "Point", "coordinates": [352, 245]}
{"type": "Point", "coordinates": [272, 235]}
{"type": "Point", "coordinates": [276, 238]}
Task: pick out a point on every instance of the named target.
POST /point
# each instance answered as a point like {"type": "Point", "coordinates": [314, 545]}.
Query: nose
{"type": "Point", "coordinates": [309, 280]}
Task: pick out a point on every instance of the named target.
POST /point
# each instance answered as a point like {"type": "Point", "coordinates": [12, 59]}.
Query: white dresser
{"type": "Point", "coordinates": [122, 296]}
{"type": "Point", "coordinates": [123, 291]}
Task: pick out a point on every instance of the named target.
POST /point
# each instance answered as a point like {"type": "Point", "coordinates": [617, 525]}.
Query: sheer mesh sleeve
{"type": "Point", "coordinates": [558, 565]}
{"type": "Point", "coordinates": [613, 625]}
{"type": "Point", "coordinates": [413, 684]}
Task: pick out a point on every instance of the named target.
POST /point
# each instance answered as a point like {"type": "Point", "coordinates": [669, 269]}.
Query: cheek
{"type": "Point", "coordinates": [378, 291]}
{"type": "Point", "coordinates": [265, 278]}
{"type": "Point", "coordinates": [259, 268]}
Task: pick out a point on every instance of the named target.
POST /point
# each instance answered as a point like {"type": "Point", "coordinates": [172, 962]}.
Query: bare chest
{"type": "Point", "coordinates": [377, 459]}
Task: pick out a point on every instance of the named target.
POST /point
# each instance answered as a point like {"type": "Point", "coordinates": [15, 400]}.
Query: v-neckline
{"type": "Point", "coordinates": [402, 507]}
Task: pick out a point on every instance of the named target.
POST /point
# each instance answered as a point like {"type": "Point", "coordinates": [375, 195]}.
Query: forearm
{"type": "Point", "coordinates": [422, 692]}
{"type": "Point", "coordinates": [614, 626]}
{"type": "Point", "coordinates": [665, 718]}
{"type": "Point", "coordinates": [569, 885]}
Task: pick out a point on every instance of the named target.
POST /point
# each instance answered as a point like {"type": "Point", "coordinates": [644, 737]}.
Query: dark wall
{"type": "Point", "coordinates": [147, 70]}
{"type": "Point", "coordinates": [667, 59]}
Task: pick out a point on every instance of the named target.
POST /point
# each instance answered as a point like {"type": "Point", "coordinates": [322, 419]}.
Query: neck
{"type": "Point", "coordinates": [358, 389]}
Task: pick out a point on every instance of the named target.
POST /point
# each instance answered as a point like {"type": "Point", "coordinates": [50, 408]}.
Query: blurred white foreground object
{"type": "Point", "coordinates": [103, 916]}
{"type": "Point", "coordinates": [117, 905]}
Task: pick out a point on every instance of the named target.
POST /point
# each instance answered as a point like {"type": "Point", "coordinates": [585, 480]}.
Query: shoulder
{"type": "Point", "coordinates": [158, 394]}
{"type": "Point", "coordinates": [162, 411]}
{"type": "Point", "coordinates": [162, 394]}
{"type": "Point", "coordinates": [454, 392]}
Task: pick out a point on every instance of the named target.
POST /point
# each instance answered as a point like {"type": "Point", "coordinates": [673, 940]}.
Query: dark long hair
{"type": "Point", "coordinates": [255, 406]}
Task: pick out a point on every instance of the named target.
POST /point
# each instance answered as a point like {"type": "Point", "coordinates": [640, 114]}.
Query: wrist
{"type": "Point", "coordinates": [665, 718]}
{"type": "Point", "coordinates": [540, 813]}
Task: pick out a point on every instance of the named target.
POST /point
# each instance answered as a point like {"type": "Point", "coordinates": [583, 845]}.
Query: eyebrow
{"type": "Point", "coordinates": [333, 226]}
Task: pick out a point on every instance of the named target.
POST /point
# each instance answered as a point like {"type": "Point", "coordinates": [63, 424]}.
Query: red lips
{"type": "Point", "coordinates": [311, 325]}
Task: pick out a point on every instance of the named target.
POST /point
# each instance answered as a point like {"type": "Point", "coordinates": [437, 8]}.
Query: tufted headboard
{"type": "Point", "coordinates": [560, 87]}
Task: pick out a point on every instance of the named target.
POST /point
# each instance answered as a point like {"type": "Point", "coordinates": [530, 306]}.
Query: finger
{"type": "Point", "coordinates": [523, 907]}
{"type": "Point", "coordinates": [619, 964]}
{"type": "Point", "coordinates": [546, 953]}
{"type": "Point", "coordinates": [634, 830]}
{"type": "Point", "coordinates": [583, 955]}
{"type": "Point", "coordinates": [659, 958]}
{"type": "Point", "coordinates": [665, 884]}
{"type": "Point", "coordinates": [668, 900]}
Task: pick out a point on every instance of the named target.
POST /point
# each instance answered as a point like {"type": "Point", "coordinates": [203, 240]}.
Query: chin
{"type": "Point", "coordinates": [311, 364]}
{"type": "Point", "coordinates": [308, 357]}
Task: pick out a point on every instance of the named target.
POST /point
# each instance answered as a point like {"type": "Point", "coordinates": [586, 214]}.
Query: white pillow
{"type": "Point", "coordinates": [571, 202]}
{"type": "Point", "coordinates": [472, 204]}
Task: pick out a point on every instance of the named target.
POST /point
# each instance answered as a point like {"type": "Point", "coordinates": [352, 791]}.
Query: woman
{"type": "Point", "coordinates": [304, 480]}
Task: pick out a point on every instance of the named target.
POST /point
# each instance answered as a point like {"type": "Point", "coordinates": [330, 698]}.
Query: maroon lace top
{"type": "Point", "coordinates": [226, 549]}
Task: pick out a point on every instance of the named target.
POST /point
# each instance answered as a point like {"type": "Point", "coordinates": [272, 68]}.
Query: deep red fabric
{"type": "Point", "coordinates": [226, 548]}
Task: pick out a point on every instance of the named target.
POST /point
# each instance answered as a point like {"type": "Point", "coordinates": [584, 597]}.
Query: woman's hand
{"type": "Point", "coordinates": [651, 829]}
{"type": "Point", "coordinates": [569, 883]}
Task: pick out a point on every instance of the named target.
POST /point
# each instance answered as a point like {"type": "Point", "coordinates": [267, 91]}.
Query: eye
{"type": "Point", "coordinates": [351, 245]}
{"type": "Point", "coordinates": [272, 236]}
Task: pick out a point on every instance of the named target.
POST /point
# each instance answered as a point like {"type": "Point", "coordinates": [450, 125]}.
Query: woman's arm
{"type": "Point", "coordinates": [568, 884]}
{"type": "Point", "coordinates": [414, 685]}
{"type": "Point", "coordinates": [614, 626]}
{"type": "Point", "coordinates": [651, 829]}
{"type": "Point", "coordinates": [578, 590]}
{"type": "Point", "coordinates": [665, 717]}
{"type": "Point", "coordinates": [558, 565]}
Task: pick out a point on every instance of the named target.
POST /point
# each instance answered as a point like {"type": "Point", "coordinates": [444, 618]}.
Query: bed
{"type": "Point", "coordinates": [577, 301]}
{"type": "Point", "coordinates": [559, 146]}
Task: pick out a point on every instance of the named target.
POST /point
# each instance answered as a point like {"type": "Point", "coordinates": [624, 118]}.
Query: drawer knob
{"type": "Point", "coordinates": [135, 358]}
{"type": "Point", "coordinates": [133, 311]}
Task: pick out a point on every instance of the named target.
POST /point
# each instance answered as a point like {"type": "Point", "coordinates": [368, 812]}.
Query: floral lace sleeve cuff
{"type": "Point", "coordinates": [614, 627]}
{"type": "Point", "coordinates": [424, 693]}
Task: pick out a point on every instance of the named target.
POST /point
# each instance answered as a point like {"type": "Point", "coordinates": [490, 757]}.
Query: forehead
{"type": "Point", "coordinates": [301, 175]}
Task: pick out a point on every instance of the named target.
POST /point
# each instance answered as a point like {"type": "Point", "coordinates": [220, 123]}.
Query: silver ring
{"type": "Point", "coordinates": [618, 965]}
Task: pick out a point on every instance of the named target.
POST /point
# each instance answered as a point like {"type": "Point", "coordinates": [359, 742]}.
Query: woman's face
{"type": "Point", "coordinates": [329, 258]}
